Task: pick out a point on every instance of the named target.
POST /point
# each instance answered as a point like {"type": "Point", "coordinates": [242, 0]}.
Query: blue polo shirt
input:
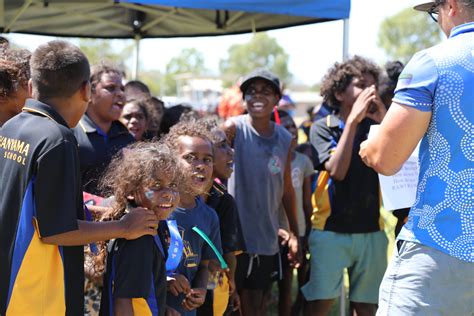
{"type": "Point", "coordinates": [96, 149]}
{"type": "Point", "coordinates": [441, 80]}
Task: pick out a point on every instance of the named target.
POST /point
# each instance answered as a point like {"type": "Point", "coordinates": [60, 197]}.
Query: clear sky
{"type": "Point", "coordinates": [312, 49]}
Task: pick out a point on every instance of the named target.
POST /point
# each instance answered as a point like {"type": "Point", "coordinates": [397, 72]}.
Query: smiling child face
{"type": "Point", "coordinates": [196, 159]}
{"type": "Point", "coordinates": [162, 196]}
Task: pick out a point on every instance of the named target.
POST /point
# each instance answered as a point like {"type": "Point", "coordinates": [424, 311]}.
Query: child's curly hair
{"type": "Point", "coordinates": [14, 69]}
{"type": "Point", "coordinates": [128, 172]}
{"type": "Point", "coordinates": [340, 76]}
{"type": "Point", "coordinates": [186, 127]}
{"type": "Point", "coordinates": [210, 124]}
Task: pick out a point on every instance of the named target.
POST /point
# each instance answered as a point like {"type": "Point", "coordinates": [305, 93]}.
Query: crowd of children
{"type": "Point", "coordinates": [189, 216]}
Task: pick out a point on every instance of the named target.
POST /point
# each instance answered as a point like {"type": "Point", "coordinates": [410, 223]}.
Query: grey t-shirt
{"type": "Point", "coordinates": [301, 167]}
{"type": "Point", "coordinates": [257, 183]}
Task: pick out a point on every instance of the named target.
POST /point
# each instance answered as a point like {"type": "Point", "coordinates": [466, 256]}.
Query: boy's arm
{"type": "Point", "coordinates": [123, 307]}
{"type": "Point", "coordinates": [135, 224]}
{"type": "Point", "coordinates": [338, 163]}
{"type": "Point", "coordinates": [232, 263]}
{"type": "Point", "coordinates": [307, 206]}
{"type": "Point", "coordinates": [230, 128]}
{"type": "Point", "coordinates": [202, 275]}
{"type": "Point", "coordinates": [289, 203]}
{"type": "Point", "coordinates": [197, 295]}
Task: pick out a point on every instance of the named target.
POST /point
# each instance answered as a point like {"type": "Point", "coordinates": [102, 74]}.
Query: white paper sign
{"type": "Point", "coordinates": [399, 190]}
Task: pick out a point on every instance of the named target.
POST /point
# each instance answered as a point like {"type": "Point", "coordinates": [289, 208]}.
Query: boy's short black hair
{"type": "Point", "coordinates": [134, 86]}
{"type": "Point", "coordinates": [58, 69]}
{"type": "Point", "coordinates": [104, 67]}
{"type": "Point", "coordinates": [263, 74]}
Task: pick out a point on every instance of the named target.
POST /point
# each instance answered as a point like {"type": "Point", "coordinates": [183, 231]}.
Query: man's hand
{"type": "Point", "coordinates": [363, 153]}
{"type": "Point", "coordinates": [138, 222]}
{"type": "Point", "coordinates": [194, 299]}
{"type": "Point", "coordinates": [178, 283]}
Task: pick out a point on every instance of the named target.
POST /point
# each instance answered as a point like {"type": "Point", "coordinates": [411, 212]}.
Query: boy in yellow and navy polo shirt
{"type": "Point", "coordinates": [347, 230]}
{"type": "Point", "coordinates": [41, 209]}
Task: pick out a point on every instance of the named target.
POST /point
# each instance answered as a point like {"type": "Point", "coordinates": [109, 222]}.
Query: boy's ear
{"type": "Point", "coordinates": [339, 96]}
{"type": "Point", "coordinates": [86, 91]}
{"type": "Point", "coordinates": [30, 87]}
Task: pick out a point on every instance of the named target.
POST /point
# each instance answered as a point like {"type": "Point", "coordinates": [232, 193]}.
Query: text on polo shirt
{"type": "Point", "coordinates": [15, 149]}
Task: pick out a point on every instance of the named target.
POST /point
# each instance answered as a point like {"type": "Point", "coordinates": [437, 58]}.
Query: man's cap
{"type": "Point", "coordinates": [425, 6]}
{"type": "Point", "coordinates": [261, 74]}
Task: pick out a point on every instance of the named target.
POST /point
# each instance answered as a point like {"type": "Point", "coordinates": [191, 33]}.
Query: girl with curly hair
{"type": "Point", "coordinates": [145, 175]}
{"type": "Point", "coordinates": [14, 76]}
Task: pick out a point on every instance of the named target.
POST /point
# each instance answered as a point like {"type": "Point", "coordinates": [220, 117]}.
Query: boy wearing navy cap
{"type": "Point", "coordinates": [260, 183]}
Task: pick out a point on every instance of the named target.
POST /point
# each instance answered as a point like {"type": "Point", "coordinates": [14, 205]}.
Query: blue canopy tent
{"type": "Point", "coordinates": [163, 18]}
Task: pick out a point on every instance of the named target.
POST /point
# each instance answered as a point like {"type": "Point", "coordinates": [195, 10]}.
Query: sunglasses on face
{"type": "Point", "coordinates": [434, 10]}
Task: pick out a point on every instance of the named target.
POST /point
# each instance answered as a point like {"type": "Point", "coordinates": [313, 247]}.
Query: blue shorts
{"type": "Point", "coordinates": [421, 280]}
{"type": "Point", "coordinates": [364, 255]}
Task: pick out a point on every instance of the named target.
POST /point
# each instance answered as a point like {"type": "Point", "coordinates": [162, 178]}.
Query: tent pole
{"type": "Point", "coordinates": [137, 57]}
{"type": "Point", "coordinates": [2, 15]}
{"type": "Point", "coordinates": [345, 43]}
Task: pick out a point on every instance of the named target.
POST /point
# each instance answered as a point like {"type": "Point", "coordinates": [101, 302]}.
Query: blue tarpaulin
{"type": "Point", "coordinates": [335, 9]}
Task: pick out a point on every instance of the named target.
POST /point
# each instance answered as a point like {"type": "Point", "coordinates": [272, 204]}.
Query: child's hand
{"type": "Point", "coordinates": [284, 236]}
{"type": "Point", "coordinates": [234, 301]}
{"type": "Point", "coordinates": [213, 267]}
{"type": "Point", "coordinates": [171, 312]}
{"type": "Point", "coordinates": [138, 222]}
{"type": "Point", "coordinates": [194, 299]}
{"type": "Point", "coordinates": [232, 286]}
{"type": "Point", "coordinates": [178, 283]}
{"type": "Point", "coordinates": [295, 255]}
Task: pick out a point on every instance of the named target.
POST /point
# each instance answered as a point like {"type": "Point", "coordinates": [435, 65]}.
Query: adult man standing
{"type": "Point", "coordinates": [432, 270]}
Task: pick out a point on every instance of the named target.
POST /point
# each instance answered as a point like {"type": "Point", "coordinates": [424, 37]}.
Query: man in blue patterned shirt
{"type": "Point", "coordinates": [432, 270]}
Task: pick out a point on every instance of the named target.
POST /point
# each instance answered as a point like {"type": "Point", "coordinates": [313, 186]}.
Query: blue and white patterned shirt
{"type": "Point", "coordinates": [441, 80]}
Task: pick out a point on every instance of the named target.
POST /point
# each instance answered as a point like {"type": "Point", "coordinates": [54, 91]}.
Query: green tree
{"type": "Point", "coordinates": [406, 33]}
{"type": "Point", "coordinates": [97, 50]}
{"type": "Point", "coordinates": [153, 79]}
{"type": "Point", "coordinates": [261, 51]}
{"type": "Point", "coordinates": [190, 60]}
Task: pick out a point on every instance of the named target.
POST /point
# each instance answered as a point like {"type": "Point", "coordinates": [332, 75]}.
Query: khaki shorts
{"type": "Point", "coordinates": [421, 281]}
{"type": "Point", "coordinates": [364, 255]}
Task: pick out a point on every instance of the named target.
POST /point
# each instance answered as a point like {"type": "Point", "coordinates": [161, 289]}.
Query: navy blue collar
{"type": "Point", "coordinates": [88, 126]}
{"type": "Point", "coordinates": [463, 28]}
{"type": "Point", "coordinates": [38, 107]}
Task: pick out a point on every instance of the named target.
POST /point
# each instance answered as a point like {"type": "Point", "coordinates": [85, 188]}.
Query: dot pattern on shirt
{"type": "Point", "coordinates": [449, 114]}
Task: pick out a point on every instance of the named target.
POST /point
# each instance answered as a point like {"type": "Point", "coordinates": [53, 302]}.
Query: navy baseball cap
{"type": "Point", "coordinates": [261, 74]}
